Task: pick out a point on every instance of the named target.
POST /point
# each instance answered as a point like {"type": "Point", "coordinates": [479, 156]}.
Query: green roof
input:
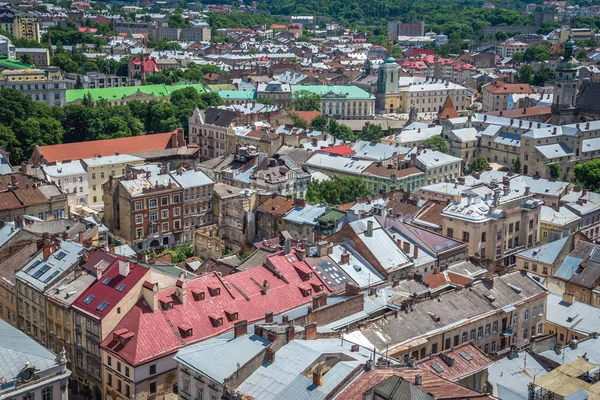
{"type": "Point", "coordinates": [351, 92]}
{"type": "Point", "coordinates": [332, 215]}
{"type": "Point", "coordinates": [237, 94]}
{"type": "Point", "coordinates": [115, 93]}
{"type": "Point", "coordinates": [13, 63]}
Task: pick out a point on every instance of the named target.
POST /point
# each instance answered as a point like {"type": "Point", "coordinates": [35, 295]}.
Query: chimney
{"type": "Point", "coordinates": [47, 252]}
{"type": "Point", "coordinates": [80, 237]}
{"type": "Point", "coordinates": [317, 377]}
{"type": "Point", "coordinates": [123, 267]}
{"type": "Point", "coordinates": [568, 298]}
{"type": "Point", "coordinates": [300, 253]}
{"type": "Point", "coordinates": [290, 333]}
{"type": "Point", "coordinates": [322, 247]}
{"type": "Point", "coordinates": [345, 258]}
{"type": "Point", "coordinates": [527, 190]}
{"type": "Point", "coordinates": [269, 317]}
{"type": "Point", "coordinates": [370, 227]}
{"type": "Point", "coordinates": [310, 331]}
{"type": "Point", "coordinates": [506, 190]}
{"type": "Point", "coordinates": [287, 245]}
{"type": "Point", "coordinates": [418, 380]}
{"type": "Point", "coordinates": [240, 328]}
{"type": "Point", "coordinates": [416, 251]}
{"type": "Point", "coordinates": [319, 301]}
{"type": "Point", "coordinates": [270, 355]}
{"type": "Point", "coordinates": [98, 272]}
{"type": "Point", "coordinates": [181, 288]}
{"type": "Point", "coordinates": [406, 247]}
{"type": "Point", "coordinates": [299, 203]}
{"type": "Point", "coordinates": [266, 287]}
{"type": "Point", "coordinates": [489, 281]}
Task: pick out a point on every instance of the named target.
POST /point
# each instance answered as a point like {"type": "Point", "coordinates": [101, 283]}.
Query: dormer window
{"type": "Point", "coordinates": [167, 305]}
{"type": "Point", "coordinates": [214, 291]}
{"type": "Point", "coordinates": [198, 296]}
{"type": "Point", "coordinates": [216, 320]}
{"type": "Point", "coordinates": [232, 315]}
{"type": "Point", "coordinates": [306, 291]}
{"type": "Point", "coordinates": [317, 288]}
{"type": "Point", "coordinates": [186, 331]}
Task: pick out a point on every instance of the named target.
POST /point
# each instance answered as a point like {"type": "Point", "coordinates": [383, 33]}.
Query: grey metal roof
{"type": "Point", "coordinates": [588, 347]}
{"type": "Point", "coordinates": [16, 348]}
{"type": "Point", "coordinates": [66, 169]}
{"type": "Point", "coordinates": [42, 273]}
{"type": "Point", "coordinates": [592, 144]}
{"type": "Point", "coordinates": [578, 317]}
{"type": "Point", "coordinates": [191, 179]}
{"type": "Point", "coordinates": [546, 253]}
{"type": "Point", "coordinates": [283, 379]}
{"type": "Point", "coordinates": [554, 150]}
{"type": "Point", "coordinates": [509, 381]}
{"type": "Point", "coordinates": [218, 358]}
{"type": "Point", "coordinates": [377, 151]}
{"type": "Point", "coordinates": [9, 230]}
{"type": "Point", "coordinates": [5, 167]}
{"type": "Point", "coordinates": [307, 215]}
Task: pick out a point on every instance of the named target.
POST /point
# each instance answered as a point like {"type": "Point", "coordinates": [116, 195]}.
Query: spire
{"type": "Point", "coordinates": [569, 46]}
{"type": "Point", "coordinates": [448, 110]}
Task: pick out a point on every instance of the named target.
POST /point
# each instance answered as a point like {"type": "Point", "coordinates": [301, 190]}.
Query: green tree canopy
{"type": "Point", "coordinates": [319, 123]}
{"type": "Point", "coordinates": [525, 74]}
{"type": "Point", "coordinates": [588, 174]}
{"type": "Point", "coordinates": [336, 190]}
{"type": "Point", "coordinates": [479, 164]}
{"type": "Point", "coordinates": [543, 76]}
{"type": "Point", "coordinates": [371, 132]}
{"type": "Point", "coordinates": [436, 143]}
{"type": "Point", "coordinates": [303, 100]}
{"type": "Point", "coordinates": [554, 170]}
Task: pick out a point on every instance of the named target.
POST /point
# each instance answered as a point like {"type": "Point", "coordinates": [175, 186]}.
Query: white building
{"type": "Point", "coordinates": [71, 178]}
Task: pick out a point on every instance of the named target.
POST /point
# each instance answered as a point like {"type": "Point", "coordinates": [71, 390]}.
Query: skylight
{"type": "Point", "coordinates": [121, 287]}
{"type": "Point", "coordinates": [437, 368]}
{"type": "Point", "coordinates": [60, 255]}
{"type": "Point", "coordinates": [89, 299]}
{"type": "Point", "coordinates": [465, 356]}
{"type": "Point", "coordinates": [41, 271]}
{"type": "Point", "coordinates": [106, 281]}
{"type": "Point", "coordinates": [102, 306]}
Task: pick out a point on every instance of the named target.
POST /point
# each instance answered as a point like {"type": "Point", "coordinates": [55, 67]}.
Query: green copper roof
{"type": "Point", "coordinates": [237, 94]}
{"type": "Point", "coordinates": [115, 93]}
{"type": "Point", "coordinates": [13, 63]}
{"type": "Point", "coordinates": [351, 92]}
{"type": "Point", "coordinates": [332, 215]}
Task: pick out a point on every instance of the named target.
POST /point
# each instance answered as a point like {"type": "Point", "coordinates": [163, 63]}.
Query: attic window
{"type": "Point", "coordinates": [89, 299]}
{"type": "Point", "coordinates": [306, 291]}
{"type": "Point", "coordinates": [216, 320]}
{"type": "Point", "coordinates": [121, 287]}
{"type": "Point", "coordinates": [437, 368]}
{"type": "Point", "coordinates": [106, 281]}
{"type": "Point", "coordinates": [465, 356]}
{"type": "Point", "coordinates": [167, 305]}
{"type": "Point", "coordinates": [214, 291]}
{"type": "Point", "coordinates": [232, 315]}
{"type": "Point", "coordinates": [198, 295]}
{"type": "Point", "coordinates": [186, 331]}
{"type": "Point", "coordinates": [102, 306]}
{"type": "Point", "coordinates": [60, 255]}
{"type": "Point", "coordinates": [317, 288]}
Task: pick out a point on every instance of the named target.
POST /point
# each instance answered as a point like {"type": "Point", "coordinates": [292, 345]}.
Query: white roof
{"type": "Point", "coordinates": [108, 160]}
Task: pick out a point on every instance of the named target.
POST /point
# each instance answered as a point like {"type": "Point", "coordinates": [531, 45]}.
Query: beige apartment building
{"type": "Point", "coordinates": [210, 130]}
{"type": "Point", "coordinates": [430, 96]}
{"type": "Point", "coordinates": [496, 222]}
{"type": "Point", "coordinates": [495, 94]}
{"type": "Point", "coordinates": [100, 168]}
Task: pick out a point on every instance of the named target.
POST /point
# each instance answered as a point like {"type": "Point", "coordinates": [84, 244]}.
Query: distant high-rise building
{"type": "Point", "coordinates": [399, 28]}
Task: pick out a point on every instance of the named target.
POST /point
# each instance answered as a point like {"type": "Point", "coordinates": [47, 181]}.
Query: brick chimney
{"type": "Point", "coordinates": [269, 317]}
{"type": "Point", "coordinates": [345, 258]}
{"type": "Point", "coordinates": [319, 301]}
{"type": "Point", "coordinates": [568, 298]}
{"type": "Point", "coordinates": [124, 267]}
{"type": "Point", "coordinates": [47, 251]}
{"type": "Point", "coordinates": [181, 288]}
{"type": "Point", "coordinates": [240, 328]}
{"type": "Point", "coordinates": [300, 253]}
{"type": "Point", "coordinates": [270, 355]}
{"type": "Point", "coordinates": [290, 333]}
{"type": "Point", "coordinates": [416, 251]}
{"type": "Point", "coordinates": [310, 331]}
{"type": "Point", "coordinates": [318, 377]}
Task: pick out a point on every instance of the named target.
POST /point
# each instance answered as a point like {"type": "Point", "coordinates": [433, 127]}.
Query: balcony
{"type": "Point", "coordinates": [507, 332]}
{"type": "Point", "coordinates": [514, 250]}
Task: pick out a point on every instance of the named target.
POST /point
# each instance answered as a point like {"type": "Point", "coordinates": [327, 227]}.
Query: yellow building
{"type": "Point", "coordinates": [8, 301]}
{"type": "Point", "coordinates": [21, 25]}
{"type": "Point", "coordinates": [100, 168]}
{"type": "Point", "coordinates": [569, 319]}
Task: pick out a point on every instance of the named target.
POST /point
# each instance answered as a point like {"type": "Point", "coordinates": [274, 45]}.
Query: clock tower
{"type": "Point", "coordinates": [565, 87]}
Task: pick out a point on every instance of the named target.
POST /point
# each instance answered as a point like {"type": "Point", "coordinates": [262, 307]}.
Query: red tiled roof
{"type": "Point", "coordinates": [448, 110]}
{"type": "Point", "coordinates": [440, 279]}
{"type": "Point", "coordinates": [506, 88]}
{"type": "Point", "coordinates": [156, 333]}
{"type": "Point", "coordinates": [435, 241]}
{"type": "Point", "coordinates": [149, 64]}
{"type": "Point", "coordinates": [108, 292]}
{"type": "Point", "coordinates": [278, 26]}
{"type": "Point", "coordinates": [307, 116]}
{"type": "Point", "coordinates": [84, 29]}
{"type": "Point", "coordinates": [340, 150]}
{"type": "Point", "coordinates": [278, 205]}
{"type": "Point", "coordinates": [461, 368]}
{"type": "Point", "coordinates": [8, 201]}
{"type": "Point", "coordinates": [433, 384]}
{"type": "Point", "coordinates": [523, 112]}
{"type": "Point", "coordinates": [108, 147]}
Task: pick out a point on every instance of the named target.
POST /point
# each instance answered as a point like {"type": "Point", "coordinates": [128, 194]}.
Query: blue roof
{"type": "Point", "coordinates": [546, 253]}
{"type": "Point", "coordinates": [568, 268]}
{"type": "Point", "coordinates": [307, 215]}
{"type": "Point", "coordinates": [192, 179]}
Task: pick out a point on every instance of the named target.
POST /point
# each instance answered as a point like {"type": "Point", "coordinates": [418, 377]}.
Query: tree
{"type": "Point", "coordinates": [340, 131]}
{"type": "Point", "coordinates": [336, 190]}
{"type": "Point", "coordinates": [517, 165]}
{"type": "Point", "coordinates": [437, 143]}
{"type": "Point", "coordinates": [78, 83]}
{"type": "Point", "coordinates": [554, 170]}
{"type": "Point", "coordinates": [582, 55]}
{"type": "Point", "coordinates": [319, 123]}
{"type": "Point", "coordinates": [501, 36]}
{"type": "Point", "coordinates": [525, 74]}
{"type": "Point", "coordinates": [10, 143]}
{"type": "Point", "coordinates": [304, 100]}
{"type": "Point", "coordinates": [479, 164]}
{"type": "Point", "coordinates": [266, 101]}
{"type": "Point", "coordinates": [370, 132]}
{"type": "Point", "coordinates": [299, 122]}
{"type": "Point", "coordinates": [26, 59]}
{"type": "Point", "coordinates": [543, 76]}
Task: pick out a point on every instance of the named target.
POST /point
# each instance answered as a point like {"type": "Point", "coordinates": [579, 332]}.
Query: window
{"type": "Point", "coordinates": [532, 331]}
{"type": "Point", "coordinates": [101, 175]}
{"type": "Point", "coordinates": [176, 211]}
{"type": "Point", "coordinates": [164, 214]}
{"type": "Point", "coordinates": [488, 329]}
{"type": "Point", "coordinates": [109, 361]}
{"type": "Point", "coordinates": [47, 393]}
{"type": "Point", "coordinates": [175, 198]}
{"type": "Point", "coordinates": [486, 348]}
{"type": "Point", "coordinates": [526, 316]}
{"type": "Point", "coordinates": [472, 336]}
{"type": "Point", "coordinates": [540, 329]}
{"type": "Point", "coordinates": [517, 226]}
{"type": "Point", "coordinates": [541, 310]}
{"type": "Point", "coordinates": [526, 265]}
{"type": "Point", "coordinates": [545, 270]}
{"type": "Point", "coordinates": [138, 205]}
{"type": "Point", "coordinates": [119, 385]}
{"type": "Point", "coordinates": [199, 393]}
{"type": "Point", "coordinates": [483, 236]}
{"type": "Point", "coordinates": [153, 216]}
{"type": "Point", "coordinates": [495, 327]}
{"type": "Point", "coordinates": [118, 366]}
{"type": "Point", "coordinates": [515, 319]}
{"type": "Point", "coordinates": [152, 387]}
{"type": "Point", "coordinates": [139, 232]}
{"type": "Point", "coordinates": [465, 236]}
{"type": "Point", "coordinates": [480, 332]}
{"type": "Point", "coordinates": [450, 232]}
{"type": "Point", "coordinates": [153, 369]}
{"type": "Point", "coordinates": [93, 175]}
{"type": "Point", "coordinates": [126, 371]}
{"type": "Point", "coordinates": [525, 334]}
{"type": "Point", "coordinates": [152, 203]}
{"type": "Point", "coordinates": [109, 380]}
{"type": "Point", "coordinates": [185, 384]}
{"type": "Point", "coordinates": [533, 313]}
{"type": "Point", "coordinates": [164, 201]}
{"type": "Point", "coordinates": [493, 347]}
{"type": "Point", "coordinates": [464, 337]}
{"type": "Point", "coordinates": [138, 219]}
